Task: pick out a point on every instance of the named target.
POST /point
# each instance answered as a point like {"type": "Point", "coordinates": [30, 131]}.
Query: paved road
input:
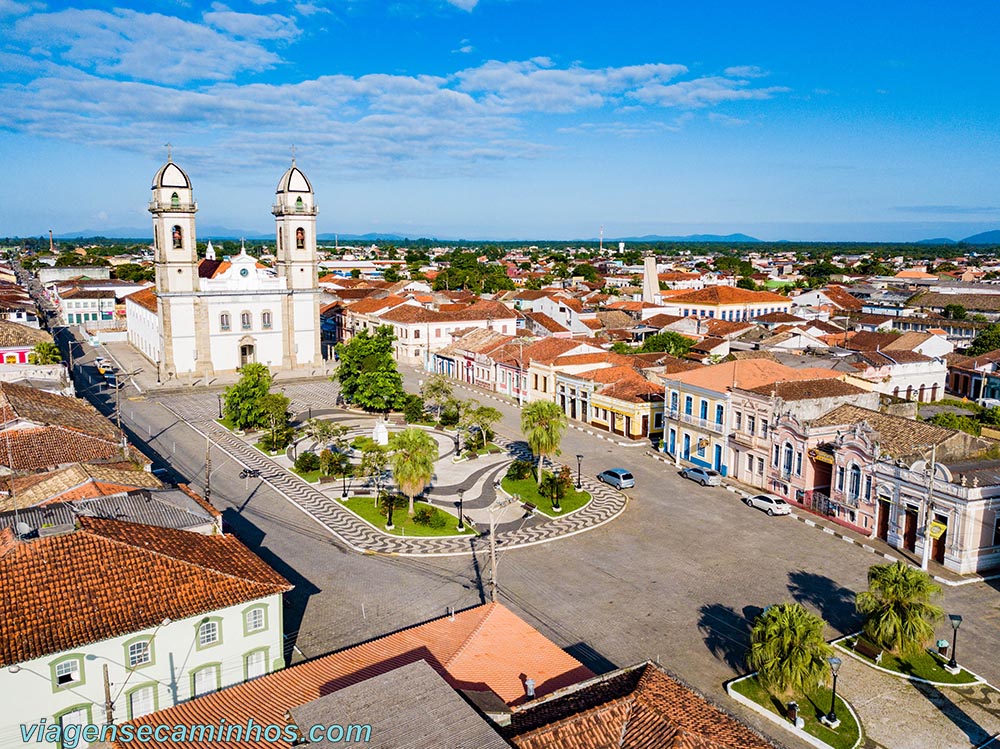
{"type": "Point", "coordinates": [677, 578]}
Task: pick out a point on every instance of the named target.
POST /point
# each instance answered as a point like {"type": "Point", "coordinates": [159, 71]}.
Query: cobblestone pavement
{"type": "Point", "coordinates": [200, 410]}
{"type": "Point", "coordinates": [900, 714]}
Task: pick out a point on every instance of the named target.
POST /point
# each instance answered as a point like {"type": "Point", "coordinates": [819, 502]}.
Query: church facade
{"type": "Point", "coordinates": [213, 316]}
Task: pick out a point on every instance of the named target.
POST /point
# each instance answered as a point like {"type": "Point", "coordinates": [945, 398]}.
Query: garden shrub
{"type": "Point", "coordinates": [307, 461]}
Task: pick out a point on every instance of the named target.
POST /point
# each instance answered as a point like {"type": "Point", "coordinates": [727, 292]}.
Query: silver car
{"type": "Point", "coordinates": [704, 476]}
{"type": "Point", "coordinates": [617, 477]}
{"type": "Point", "coordinates": [769, 503]}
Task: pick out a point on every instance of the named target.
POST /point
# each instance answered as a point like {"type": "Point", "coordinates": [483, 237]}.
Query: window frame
{"type": "Point", "coordinates": [262, 607]}
{"type": "Point", "coordinates": [77, 658]}
{"type": "Point", "coordinates": [150, 651]}
{"type": "Point", "coordinates": [217, 621]}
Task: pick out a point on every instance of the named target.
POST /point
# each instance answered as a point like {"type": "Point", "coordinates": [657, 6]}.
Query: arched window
{"type": "Point", "coordinates": [265, 320]}
{"type": "Point", "coordinates": [854, 483]}
{"type": "Point", "coordinates": [245, 320]}
{"type": "Point", "coordinates": [299, 205]}
{"type": "Point", "coordinates": [224, 321]}
{"type": "Point", "coordinates": [178, 237]}
{"type": "Point", "coordinates": [789, 453]}
{"type": "Point", "coordinates": [300, 238]}
{"type": "Point", "coordinates": [175, 201]}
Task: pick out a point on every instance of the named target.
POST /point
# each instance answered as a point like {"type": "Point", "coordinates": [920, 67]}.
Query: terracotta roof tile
{"type": "Point", "coordinates": [110, 578]}
{"type": "Point", "coordinates": [543, 320]}
{"type": "Point", "coordinates": [748, 373]}
{"type": "Point", "coordinates": [727, 295]}
{"type": "Point", "coordinates": [15, 334]}
{"type": "Point", "coordinates": [144, 298]}
{"type": "Point", "coordinates": [77, 481]}
{"type": "Point", "coordinates": [898, 436]}
{"type": "Point", "coordinates": [842, 298]}
{"type": "Point", "coordinates": [487, 647]}
{"type": "Point", "coordinates": [807, 389]}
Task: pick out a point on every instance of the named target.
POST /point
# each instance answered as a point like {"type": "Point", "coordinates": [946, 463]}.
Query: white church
{"type": "Point", "coordinates": [212, 316]}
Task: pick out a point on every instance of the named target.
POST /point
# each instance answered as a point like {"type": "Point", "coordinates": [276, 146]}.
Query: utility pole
{"type": "Point", "coordinates": [109, 708]}
{"type": "Point", "coordinates": [208, 468]}
{"type": "Point", "coordinates": [929, 512]}
{"type": "Point", "coordinates": [497, 505]}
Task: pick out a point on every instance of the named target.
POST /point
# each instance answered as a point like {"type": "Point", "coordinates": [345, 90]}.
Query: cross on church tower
{"type": "Point", "coordinates": [169, 146]}
{"type": "Point", "coordinates": [293, 154]}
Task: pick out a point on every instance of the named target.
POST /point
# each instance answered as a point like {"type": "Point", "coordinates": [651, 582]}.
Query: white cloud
{"type": "Point", "coordinates": [702, 92]}
{"type": "Point", "coordinates": [310, 9]}
{"type": "Point", "coordinates": [465, 4]}
{"type": "Point", "coordinates": [144, 46]}
{"type": "Point", "coordinates": [725, 119]}
{"type": "Point", "coordinates": [250, 25]}
{"type": "Point", "coordinates": [744, 71]}
{"type": "Point", "coordinates": [13, 8]}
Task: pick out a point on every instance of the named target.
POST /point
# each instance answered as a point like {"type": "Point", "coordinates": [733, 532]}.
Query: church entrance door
{"type": "Point", "coordinates": [246, 354]}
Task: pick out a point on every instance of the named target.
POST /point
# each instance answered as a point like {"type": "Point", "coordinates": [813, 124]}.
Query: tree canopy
{"type": "Point", "coordinates": [788, 649]}
{"type": "Point", "coordinates": [542, 424]}
{"type": "Point", "coordinates": [242, 403]}
{"type": "Point", "coordinates": [412, 454]}
{"type": "Point", "coordinates": [672, 343]}
{"type": "Point", "coordinates": [987, 340]}
{"type": "Point", "coordinates": [897, 609]}
{"type": "Point", "coordinates": [367, 374]}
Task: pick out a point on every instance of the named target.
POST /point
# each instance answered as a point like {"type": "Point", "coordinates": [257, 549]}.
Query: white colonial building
{"type": "Point", "coordinates": [215, 315]}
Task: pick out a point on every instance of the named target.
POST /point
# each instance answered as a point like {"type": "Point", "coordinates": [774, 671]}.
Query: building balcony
{"type": "Point", "coordinates": [706, 424]}
{"type": "Point", "coordinates": [291, 210]}
{"type": "Point", "coordinates": [166, 206]}
{"type": "Point", "coordinates": [747, 440]}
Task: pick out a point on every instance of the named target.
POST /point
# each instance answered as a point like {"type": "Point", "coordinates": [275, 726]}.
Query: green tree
{"type": "Point", "coordinates": [355, 273]}
{"type": "Point", "coordinates": [950, 420]}
{"type": "Point", "coordinates": [242, 401]}
{"type": "Point", "coordinates": [990, 416]}
{"type": "Point", "coordinates": [321, 431]}
{"type": "Point", "coordinates": [436, 391]}
{"type": "Point", "coordinates": [367, 374]}
{"type": "Point", "coordinates": [374, 461]}
{"type": "Point", "coordinates": [45, 352]}
{"type": "Point", "coordinates": [389, 504]}
{"type": "Point", "coordinates": [954, 312]}
{"type": "Point", "coordinates": [788, 650]}
{"type": "Point", "coordinates": [412, 454]}
{"type": "Point", "coordinates": [542, 424]}
{"type": "Point", "coordinates": [620, 347]}
{"type": "Point", "coordinates": [897, 609]}
{"type": "Point", "coordinates": [475, 416]}
{"type": "Point", "coordinates": [987, 340]}
{"type": "Point", "coordinates": [391, 274]}
{"type": "Point", "coordinates": [274, 411]}
{"type": "Point", "coordinates": [746, 282]}
{"type": "Point", "coordinates": [672, 343]}
{"type": "Point", "coordinates": [134, 272]}
{"type": "Point", "coordinates": [553, 489]}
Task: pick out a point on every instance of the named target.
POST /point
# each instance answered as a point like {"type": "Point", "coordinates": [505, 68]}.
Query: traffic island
{"type": "Point", "coordinates": [526, 490]}
{"type": "Point", "coordinates": [809, 717]}
{"type": "Point", "coordinates": [442, 523]}
{"type": "Point", "coordinates": [927, 666]}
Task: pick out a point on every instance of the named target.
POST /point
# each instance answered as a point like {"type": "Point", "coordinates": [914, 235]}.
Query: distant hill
{"type": "Point", "coordinates": [689, 238]}
{"type": "Point", "coordinates": [370, 237]}
{"type": "Point", "coordinates": [986, 237]}
{"type": "Point", "coordinates": [939, 240]}
{"type": "Point", "coordinates": [132, 232]}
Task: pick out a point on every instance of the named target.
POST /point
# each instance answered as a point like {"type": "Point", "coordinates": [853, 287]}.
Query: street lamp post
{"type": "Point", "coordinates": [831, 718]}
{"type": "Point", "coordinates": [219, 399]}
{"type": "Point", "coordinates": [956, 622]}
{"type": "Point", "coordinates": [458, 442]}
{"type": "Point", "coordinates": [579, 464]}
{"type": "Point", "coordinates": [461, 509]}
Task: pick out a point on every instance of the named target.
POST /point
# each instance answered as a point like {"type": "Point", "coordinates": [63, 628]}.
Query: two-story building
{"type": "Point", "coordinates": [106, 621]}
{"type": "Point", "coordinates": [725, 303]}
{"type": "Point", "coordinates": [698, 404]}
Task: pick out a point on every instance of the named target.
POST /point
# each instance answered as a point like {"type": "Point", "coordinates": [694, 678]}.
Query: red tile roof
{"type": "Point", "coordinates": [748, 373]}
{"type": "Point", "coordinates": [144, 298]}
{"type": "Point", "coordinates": [487, 647]}
{"type": "Point", "coordinates": [727, 295]}
{"type": "Point", "coordinates": [546, 322]}
{"type": "Point", "coordinates": [637, 708]}
{"type": "Point", "coordinates": [842, 298]}
{"type": "Point", "coordinates": [110, 578]}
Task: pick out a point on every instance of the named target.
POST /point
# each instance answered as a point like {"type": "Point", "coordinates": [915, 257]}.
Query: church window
{"type": "Point", "coordinates": [300, 238]}
{"type": "Point", "coordinates": [224, 321]}
{"type": "Point", "coordinates": [175, 201]}
{"type": "Point", "coordinates": [299, 206]}
{"type": "Point", "coordinates": [178, 237]}
{"type": "Point", "coordinates": [245, 320]}
{"type": "Point", "coordinates": [265, 320]}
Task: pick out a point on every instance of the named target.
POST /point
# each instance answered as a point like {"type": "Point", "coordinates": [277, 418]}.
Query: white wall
{"type": "Point", "coordinates": [30, 694]}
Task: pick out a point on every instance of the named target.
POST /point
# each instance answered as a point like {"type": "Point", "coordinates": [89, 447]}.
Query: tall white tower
{"type": "Point", "coordinates": [295, 212]}
{"type": "Point", "coordinates": [183, 327]}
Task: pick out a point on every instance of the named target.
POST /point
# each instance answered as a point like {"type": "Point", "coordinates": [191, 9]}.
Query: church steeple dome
{"type": "Point", "coordinates": [293, 180]}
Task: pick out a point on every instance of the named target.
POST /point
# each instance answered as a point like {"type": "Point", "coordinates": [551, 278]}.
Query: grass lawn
{"type": "Point", "coordinates": [311, 476]}
{"type": "Point", "coordinates": [924, 665]}
{"type": "Point", "coordinates": [227, 423]}
{"type": "Point", "coordinates": [527, 490]}
{"type": "Point", "coordinates": [811, 707]}
{"type": "Point", "coordinates": [274, 454]}
{"type": "Point", "coordinates": [364, 508]}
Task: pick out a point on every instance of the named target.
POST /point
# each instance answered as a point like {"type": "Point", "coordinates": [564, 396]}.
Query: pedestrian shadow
{"type": "Point", "coordinates": [834, 602]}
{"type": "Point", "coordinates": [726, 633]}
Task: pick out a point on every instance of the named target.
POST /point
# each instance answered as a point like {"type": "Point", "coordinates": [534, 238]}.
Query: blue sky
{"type": "Point", "coordinates": [509, 118]}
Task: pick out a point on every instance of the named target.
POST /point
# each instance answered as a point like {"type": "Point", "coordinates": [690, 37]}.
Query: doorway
{"type": "Point", "coordinates": [910, 529]}
{"type": "Point", "coordinates": [883, 519]}
{"type": "Point", "coordinates": [246, 354]}
{"type": "Point", "coordinates": [937, 547]}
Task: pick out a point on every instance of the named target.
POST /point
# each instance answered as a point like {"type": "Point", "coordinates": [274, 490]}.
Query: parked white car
{"type": "Point", "coordinates": [704, 476]}
{"type": "Point", "coordinates": [769, 503]}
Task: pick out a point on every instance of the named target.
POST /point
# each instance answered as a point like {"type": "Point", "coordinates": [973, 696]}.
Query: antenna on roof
{"type": "Point", "coordinates": [602, 239]}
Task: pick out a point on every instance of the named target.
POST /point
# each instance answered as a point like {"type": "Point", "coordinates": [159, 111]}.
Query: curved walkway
{"type": "Point", "coordinates": [606, 503]}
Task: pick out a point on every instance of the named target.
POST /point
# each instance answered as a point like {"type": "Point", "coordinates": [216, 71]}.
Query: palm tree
{"type": "Point", "coordinates": [413, 453]}
{"type": "Point", "coordinates": [896, 607]}
{"type": "Point", "coordinates": [542, 424]}
{"type": "Point", "coordinates": [45, 352]}
{"type": "Point", "coordinates": [788, 649]}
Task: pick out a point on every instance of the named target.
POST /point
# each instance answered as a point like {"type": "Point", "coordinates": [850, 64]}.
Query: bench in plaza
{"type": "Point", "coordinates": [868, 650]}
